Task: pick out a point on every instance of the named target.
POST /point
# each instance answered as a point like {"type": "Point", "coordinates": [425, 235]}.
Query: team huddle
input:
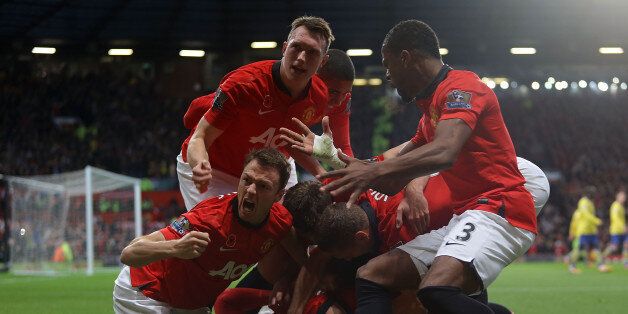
{"type": "Point", "coordinates": [425, 227]}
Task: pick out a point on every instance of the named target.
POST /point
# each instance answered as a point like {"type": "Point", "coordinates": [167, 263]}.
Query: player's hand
{"type": "Point", "coordinates": [415, 210]}
{"type": "Point", "coordinates": [280, 296]}
{"type": "Point", "coordinates": [201, 174]}
{"type": "Point", "coordinates": [354, 179]}
{"type": "Point", "coordinates": [303, 142]}
{"type": "Point", "coordinates": [192, 245]}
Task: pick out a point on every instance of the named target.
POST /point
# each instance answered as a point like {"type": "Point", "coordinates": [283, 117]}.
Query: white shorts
{"type": "Point", "coordinates": [127, 299]}
{"type": "Point", "coordinates": [536, 182]}
{"type": "Point", "coordinates": [221, 183]}
{"type": "Point", "coordinates": [484, 239]}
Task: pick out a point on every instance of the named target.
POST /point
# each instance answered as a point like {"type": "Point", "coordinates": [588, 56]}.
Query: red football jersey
{"type": "Point", "coordinates": [485, 175]}
{"type": "Point", "coordinates": [235, 246]}
{"type": "Point", "coordinates": [439, 204]}
{"type": "Point", "coordinates": [251, 105]}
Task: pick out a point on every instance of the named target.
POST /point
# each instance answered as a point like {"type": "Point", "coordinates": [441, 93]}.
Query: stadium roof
{"type": "Point", "coordinates": [477, 31]}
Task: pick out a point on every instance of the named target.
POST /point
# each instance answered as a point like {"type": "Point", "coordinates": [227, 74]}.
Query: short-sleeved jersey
{"type": "Point", "coordinates": [485, 174]}
{"type": "Point", "coordinates": [234, 247]}
{"type": "Point", "coordinates": [618, 219]}
{"type": "Point", "coordinates": [251, 105]}
{"type": "Point", "coordinates": [586, 221]}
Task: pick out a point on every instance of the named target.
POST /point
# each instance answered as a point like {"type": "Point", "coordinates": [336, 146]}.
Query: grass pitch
{"type": "Point", "coordinates": [523, 287]}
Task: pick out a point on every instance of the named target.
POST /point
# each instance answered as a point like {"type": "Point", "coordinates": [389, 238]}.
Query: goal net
{"type": "Point", "coordinates": [72, 221]}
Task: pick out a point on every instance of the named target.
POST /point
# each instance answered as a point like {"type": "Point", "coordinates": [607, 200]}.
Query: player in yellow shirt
{"type": "Point", "coordinates": [584, 226]}
{"type": "Point", "coordinates": [617, 229]}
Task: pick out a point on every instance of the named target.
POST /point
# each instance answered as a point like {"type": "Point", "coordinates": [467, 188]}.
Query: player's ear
{"type": "Point", "coordinates": [284, 46]}
{"type": "Point", "coordinates": [280, 195]}
{"type": "Point", "coordinates": [361, 236]}
{"type": "Point", "coordinates": [325, 59]}
{"type": "Point", "coordinates": [406, 57]}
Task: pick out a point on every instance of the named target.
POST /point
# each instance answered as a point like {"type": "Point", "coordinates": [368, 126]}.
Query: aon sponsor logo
{"type": "Point", "coordinates": [268, 139]}
{"type": "Point", "coordinates": [230, 271]}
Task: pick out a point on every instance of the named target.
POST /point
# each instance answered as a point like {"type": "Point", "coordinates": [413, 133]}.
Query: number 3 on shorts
{"type": "Point", "coordinates": [469, 227]}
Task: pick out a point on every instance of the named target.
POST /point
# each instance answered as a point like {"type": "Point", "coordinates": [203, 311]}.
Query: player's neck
{"type": "Point", "coordinates": [429, 70]}
{"type": "Point", "coordinates": [296, 88]}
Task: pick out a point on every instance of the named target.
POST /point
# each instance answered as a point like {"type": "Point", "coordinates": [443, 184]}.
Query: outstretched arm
{"type": "Point", "coordinates": [153, 247]}
{"type": "Point", "coordinates": [390, 176]}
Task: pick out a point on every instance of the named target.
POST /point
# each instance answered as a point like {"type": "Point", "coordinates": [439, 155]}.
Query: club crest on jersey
{"type": "Point", "coordinates": [458, 99]}
{"type": "Point", "coordinates": [219, 100]}
{"type": "Point", "coordinates": [181, 225]}
{"type": "Point", "coordinates": [231, 240]}
{"type": "Point", "coordinates": [268, 102]}
{"type": "Point", "coordinates": [266, 246]}
{"type": "Point", "coordinates": [308, 114]}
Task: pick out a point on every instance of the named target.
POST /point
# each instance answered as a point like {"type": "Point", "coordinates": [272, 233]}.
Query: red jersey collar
{"type": "Point", "coordinates": [429, 90]}
{"type": "Point", "coordinates": [279, 83]}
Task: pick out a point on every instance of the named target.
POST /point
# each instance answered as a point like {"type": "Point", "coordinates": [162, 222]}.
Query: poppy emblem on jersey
{"type": "Point", "coordinates": [181, 225]}
{"type": "Point", "coordinates": [219, 100]}
{"type": "Point", "coordinates": [231, 240]}
{"type": "Point", "coordinates": [268, 102]}
{"type": "Point", "coordinates": [308, 114]}
{"type": "Point", "coordinates": [266, 246]}
{"type": "Point", "coordinates": [458, 99]}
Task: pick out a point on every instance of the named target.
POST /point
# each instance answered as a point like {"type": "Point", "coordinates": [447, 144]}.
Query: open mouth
{"type": "Point", "coordinates": [248, 206]}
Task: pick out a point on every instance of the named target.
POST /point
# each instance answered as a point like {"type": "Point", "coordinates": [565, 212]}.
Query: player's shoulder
{"type": "Point", "coordinates": [464, 81]}
{"type": "Point", "coordinates": [256, 75]}
{"type": "Point", "coordinates": [212, 212]}
{"type": "Point", "coordinates": [280, 215]}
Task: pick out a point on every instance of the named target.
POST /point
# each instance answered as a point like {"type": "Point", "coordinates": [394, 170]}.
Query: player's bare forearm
{"type": "Point", "coordinates": [147, 249]}
{"type": "Point", "coordinates": [394, 152]}
{"type": "Point", "coordinates": [441, 153]}
{"type": "Point", "coordinates": [308, 163]}
{"type": "Point", "coordinates": [204, 136]}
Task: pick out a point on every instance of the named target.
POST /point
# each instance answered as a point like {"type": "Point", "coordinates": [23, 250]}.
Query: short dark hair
{"type": "Point", "coordinates": [337, 226]}
{"type": "Point", "coordinates": [270, 157]}
{"type": "Point", "coordinates": [305, 202]}
{"type": "Point", "coordinates": [412, 35]}
{"type": "Point", "coordinates": [338, 66]}
{"type": "Point", "coordinates": [316, 25]}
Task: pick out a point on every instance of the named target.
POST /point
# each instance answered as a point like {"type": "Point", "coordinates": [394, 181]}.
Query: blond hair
{"type": "Point", "coordinates": [316, 25]}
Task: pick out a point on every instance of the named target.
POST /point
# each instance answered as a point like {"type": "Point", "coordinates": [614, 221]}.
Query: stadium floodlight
{"type": "Point", "coordinates": [603, 86]}
{"type": "Point", "coordinates": [191, 53]}
{"type": "Point", "coordinates": [551, 80]}
{"type": "Point", "coordinates": [616, 80]}
{"type": "Point", "coordinates": [611, 50]}
{"type": "Point", "coordinates": [535, 85]}
{"type": "Point", "coordinates": [120, 52]}
{"type": "Point", "coordinates": [44, 50]}
{"type": "Point", "coordinates": [491, 84]}
{"type": "Point", "coordinates": [360, 82]}
{"type": "Point", "coordinates": [623, 86]}
{"type": "Point", "coordinates": [264, 44]}
{"type": "Point", "coordinates": [582, 84]}
{"type": "Point", "coordinates": [443, 51]}
{"type": "Point", "coordinates": [522, 50]}
{"type": "Point", "coordinates": [504, 84]}
{"type": "Point", "coordinates": [375, 81]}
{"type": "Point", "coordinates": [359, 52]}
{"type": "Point", "coordinates": [548, 85]}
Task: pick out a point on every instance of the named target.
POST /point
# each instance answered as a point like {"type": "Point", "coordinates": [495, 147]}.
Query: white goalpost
{"type": "Point", "coordinates": [72, 221]}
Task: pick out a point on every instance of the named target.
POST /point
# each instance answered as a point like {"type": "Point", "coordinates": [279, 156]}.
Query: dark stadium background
{"type": "Point", "coordinates": [80, 106]}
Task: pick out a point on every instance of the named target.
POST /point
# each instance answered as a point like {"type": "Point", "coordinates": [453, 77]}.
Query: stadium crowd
{"type": "Point", "coordinates": [61, 116]}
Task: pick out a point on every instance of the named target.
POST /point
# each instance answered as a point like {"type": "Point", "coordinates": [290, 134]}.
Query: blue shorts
{"type": "Point", "coordinates": [618, 239]}
{"type": "Point", "coordinates": [589, 240]}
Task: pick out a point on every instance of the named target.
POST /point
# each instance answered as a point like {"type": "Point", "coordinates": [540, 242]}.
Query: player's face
{"type": "Point", "coordinates": [303, 54]}
{"type": "Point", "coordinates": [257, 191]}
{"type": "Point", "coordinates": [396, 74]}
{"type": "Point", "coordinates": [338, 91]}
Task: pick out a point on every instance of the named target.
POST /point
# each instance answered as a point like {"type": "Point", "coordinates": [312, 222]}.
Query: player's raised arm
{"type": "Point", "coordinates": [153, 247]}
